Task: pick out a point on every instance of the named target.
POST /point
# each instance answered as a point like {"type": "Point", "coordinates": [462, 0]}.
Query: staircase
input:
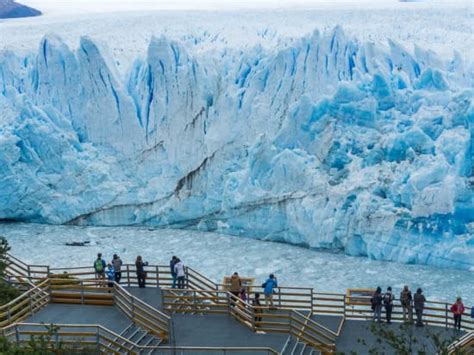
{"type": "Point", "coordinates": [138, 336]}
{"type": "Point", "coordinates": [295, 347]}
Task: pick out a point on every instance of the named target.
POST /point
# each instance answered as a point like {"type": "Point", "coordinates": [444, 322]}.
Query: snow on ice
{"type": "Point", "coordinates": [327, 141]}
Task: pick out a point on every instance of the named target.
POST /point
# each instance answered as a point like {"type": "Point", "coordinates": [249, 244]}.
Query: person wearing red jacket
{"type": "Point", "coordinates": [457, 309]}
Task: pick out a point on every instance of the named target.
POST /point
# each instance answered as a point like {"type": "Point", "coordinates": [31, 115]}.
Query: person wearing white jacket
{"type": "Point", "coordinates": [180, 273]}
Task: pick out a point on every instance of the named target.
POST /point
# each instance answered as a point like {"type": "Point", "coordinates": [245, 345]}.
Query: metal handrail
{"type": "Point", "coordinates": [330, 303]}
{"type": "Point", "coordinates": [126, 344]}
{"type": "Point", "coordinates": [26, 304]}
{"type": "Point", "coordinates": [459, 344]}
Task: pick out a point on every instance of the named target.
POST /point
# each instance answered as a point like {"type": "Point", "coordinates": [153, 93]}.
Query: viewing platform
{"type": "Point", "coordinates": [202, 318]}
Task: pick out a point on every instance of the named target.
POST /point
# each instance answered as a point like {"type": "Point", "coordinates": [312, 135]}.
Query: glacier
{"type": "Point", "coordinates": [328, 142]}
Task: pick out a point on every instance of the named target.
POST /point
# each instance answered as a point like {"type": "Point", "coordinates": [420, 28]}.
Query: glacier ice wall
{"type": "Point", "coordinates": [329, 143]}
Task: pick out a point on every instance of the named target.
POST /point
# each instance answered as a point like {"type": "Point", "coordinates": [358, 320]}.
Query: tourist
{"type": "Point", "coordinates": [458, 310]}
{"type": "Point", "coordinates": [110, 275]}
{"type": "Point", "coordinates": [180, 273]}
{"type": "Point", "coordinates": [117, 264]}
{"type": "Point", "coordinates": [173, 262]}
{"type": "Point", "coordinates": [268, 287]}
{"type": "Point", "coordinates": [388, 303]}
{"type": "Point", "coordinates": [419, 303]}
{"type": "Point", "coordinates": [235, 287]}
{"type": "Point", "coordinates": [406, 300]}
{"type": "Point", "coordinates": [243, 294]}
{"type": "Point", "coordinates": [99, 267]}
{"type": "Point", "coordinates": [258, 308]}
{"type": "Point", "coordinates": [141, 273]}
{"type": "Point", "coordinates": [376, 301]}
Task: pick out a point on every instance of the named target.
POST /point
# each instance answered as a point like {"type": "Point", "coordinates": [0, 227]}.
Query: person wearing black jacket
{"type": "Point", "coordinates": [173, 262]}
{"type": "Point", "coordinates": [141, 273]}
{"type": "Point", "coordinates": [377, 304]}
{"type": "Point", "coordinates": [419, 302]}
{"type": "Point", "coordinates": [388, 303]}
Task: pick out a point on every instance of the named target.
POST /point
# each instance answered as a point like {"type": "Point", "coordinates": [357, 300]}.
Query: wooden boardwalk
{"type": "Point", "coordinates": [204, 318]}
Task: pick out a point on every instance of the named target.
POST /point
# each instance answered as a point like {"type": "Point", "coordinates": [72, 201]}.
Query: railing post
{"type": "Point", "coordinates": [187, 277]}
{"type": "Point", "coordinates": [82, 292]}
{"type": "Point", "coordinates": [446, 314]}
{"type": "Point", "coordinates": [157, 276]}
{"type": "Point", "coordinates": [97, 339]}
{"type": "Point", "coordinates": [345, 304]}
{"type": "Point", "coordinates": [17, 336]}
{"type": "Point", "coordinates": [128, 275]}
{"type": "Point", "coordinates": [29, 271]}
{"type": "Point", "coordinates": [194, 301]}
{"type": "Point", "coordinates": [312, 296]}
{"type": "Point", "coordinates": [133, 308]}
{"type": "Point", "coordinates": [31, 303]}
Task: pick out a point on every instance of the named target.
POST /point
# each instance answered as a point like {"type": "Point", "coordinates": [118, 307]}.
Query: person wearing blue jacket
{"type": "Point", "coordinates": [268, 288]}
{"type": "Point", "coordinates": [110, 275]}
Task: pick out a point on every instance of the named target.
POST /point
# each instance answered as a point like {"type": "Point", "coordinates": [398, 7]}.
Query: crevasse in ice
{"type": "Point", "coordinates": [328, 142]}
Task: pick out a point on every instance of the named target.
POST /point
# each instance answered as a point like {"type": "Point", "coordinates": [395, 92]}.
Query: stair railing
{"type": "Point", "coordinates": [146, 316]}
{"type": "Point", "coordinates": [26, 304]}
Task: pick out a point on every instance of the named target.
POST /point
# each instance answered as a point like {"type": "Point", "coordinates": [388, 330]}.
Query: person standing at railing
{"type": "Point", "coordinates": [141, 273]}
{"type": "Point", "coordinates": [458, 310]}
{"type": "Point", "coordinates": [99, 267]}
{"type": "Point", "coordinates": [180, 273]}
{"type": "Point", "coordinates": [173, 262]}
{"type": "Point", "coordinates": [376, 301]}
{"type": "Point", "coordinates": [419, 303]}
{"type": "Point", "coordinates": [110, 275]}
{"type": "Point", "coordinates": [268, 288]}
{"type": "Point", "coordinates": [235, 286]}
{"type": "Point", "coordinates": [117, 264]}
{"type": "Point", "coordinates": [258, 308]}
{"type": "Point", "coordinates": [388, 303]}
{"type": "Point", "coordinates": [406, 299]}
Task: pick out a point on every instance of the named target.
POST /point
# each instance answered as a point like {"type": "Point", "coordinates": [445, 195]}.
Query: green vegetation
{"type": "Point", "coordinates": [7, 292]}
{"type": "Point", "coordinates": [405, 340]}
{"type": "Point", "coordinates": [43, 345]}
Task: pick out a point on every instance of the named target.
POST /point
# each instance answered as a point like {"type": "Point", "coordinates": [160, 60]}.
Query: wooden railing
{"type": "Point", "coordinates": [195, 301]}
{"type": "Point", "coordinates": [24, 272]}
{"type": "Point", "coordinates": [101, 292]}
{"type": "Point", "coordinates": [282, 320]}
{"type": "Point", "coordinates": [25, 305]}
{"type": "Point", "coordinates": [88, 292]}
{"type": "Point", "coordinates": [205, 296]}
{"type": "Point", "coordinates": [101, 340]}
{"type": "Point", "coordinates": [435, 313]}
{"type": "Point", "coordinates": [142, 314]}
{"type": "Point", "coordinates": [464, 345]}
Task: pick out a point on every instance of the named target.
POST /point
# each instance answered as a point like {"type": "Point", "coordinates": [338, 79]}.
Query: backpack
{"type": "Point", "coordinates": [264, 285]}
{"type": "Point", "coordinates": [99, 267]}
{"type": "Point", "coordinates": [387, 299]}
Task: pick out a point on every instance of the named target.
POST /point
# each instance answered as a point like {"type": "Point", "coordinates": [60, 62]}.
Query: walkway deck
{"type": "Point", "coordinates": [109, 317]}
{"type": "Point", "coordinates": [224, 331]}
{"type": "Point", "coordinates": [354, 330]}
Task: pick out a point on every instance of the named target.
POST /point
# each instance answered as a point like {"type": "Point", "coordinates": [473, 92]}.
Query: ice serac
{"type": "Point", "coordinates": [327, 142]}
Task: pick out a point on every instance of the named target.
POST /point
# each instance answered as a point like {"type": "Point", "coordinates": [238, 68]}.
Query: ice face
{"type": "Point", "coordinates": [329, 142]}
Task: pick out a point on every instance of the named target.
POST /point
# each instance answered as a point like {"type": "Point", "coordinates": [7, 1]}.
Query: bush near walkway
{"type": "Point", "coordinates": [7, 292]}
